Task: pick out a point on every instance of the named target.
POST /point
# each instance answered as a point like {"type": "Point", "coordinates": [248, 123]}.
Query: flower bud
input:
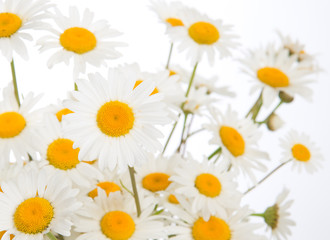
{"type": "Point", "coordinates": [274, 122]}
{"type": "Point", "coordinates": [285, 97]}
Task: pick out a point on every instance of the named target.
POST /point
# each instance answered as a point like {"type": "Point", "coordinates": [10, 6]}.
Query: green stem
{"type": "Point", "coordinates": [51, 236]}
{"type": "Point", "coordinates": [266, 119]}
{"type": "Point", "coordinates": [217, 151]}
{"type": "Point", "coordinates": [267, 176]}
{"type": "Point", "coordinates": [136, 196]}
{"type": "Point", "coordinates": [169, 56]}
{"type": "Point", "coordinates": [258, 214]}
{"type": "Point", "coordinates": [183, 130]}
{"type": "Point", "coordinates": [169, 137]}
{"type": "Point", "coordinates": [184, 147]}
{"type": "Point", "coordinates": [255, 108]}
{"type": "Point", "coordinates": [191, 79]}
{"type": "Point", "coordinates": [13, 73]}
{"type": "Point", "coordinates": [75, 87]}
{"type": "Point", "coordinates": [194, 132]}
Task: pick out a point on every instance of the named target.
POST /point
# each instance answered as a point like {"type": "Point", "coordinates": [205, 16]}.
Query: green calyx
{"type": "Point", "coordinates": [271, 216]}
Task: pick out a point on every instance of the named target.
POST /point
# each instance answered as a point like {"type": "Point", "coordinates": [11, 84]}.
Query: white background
{"type": "Point", "coordinates": [255, 21]}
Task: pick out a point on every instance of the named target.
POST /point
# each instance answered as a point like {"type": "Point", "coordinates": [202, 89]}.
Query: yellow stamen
{"type": "Point", "coordinates": [61, 155]}
{"type": "Point", "coordinates": [117, 225]}
{"type": "Point", "coordinates": [273, 77]}
{"type": "Point", "coordinates": [204, 33]}
{"type": "Point", "coordinates": [9, 24]}
{"type": "Point", "coordinates": [115, 119]}
{"type": "Point", "coordinates": [232, 140]}
{"type": "Point", "coordinates": [172, 73]}
{"type": "Point", "coordinates": [208, 185]}
{"type": "Point", "coordinates": [108, 187]}
{"type": "Point", "coordinates": [62, 112]}
{"type": "Point", "coordinates": [78, 40]}
{"type": "Point", "coordinates": [175, 22]}
{"type": "Point", "coordinates": [215, 229]}
{"type": "Point", "coordinates": [33, 215]}
{"type": "Point", "coordinates": [156, 182]}
{"type": "Point", "coordinates": [172, 199]}
{"type": "Point", "coordinates": [301, 152]}
{"type": "Point", "coordinates": [138, 82]}
{"type": "Point", "coordinates": [11, 124]}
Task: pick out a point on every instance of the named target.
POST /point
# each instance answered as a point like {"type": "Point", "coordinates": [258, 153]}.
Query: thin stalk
{"type": "Point", "coordinates": [136, 195]}
{"type": "Point", "coordinates": [266, 119]}
{"type": "Point", "coordinates": [75, 87]}
{"type": "Point", "coordinates": [267, 176]}
{"type": "Point", "coordinates": [191, 79]}
{"type": "Point", "coordinates": [217, 151]}
{"type": "Point", "coordinates": [255, 109]}
{"type": "Point", "coordinates": [194, 132]}
{"type": "Point", "coordinates": [13, 73]}
{"type": "Point", "coordinates": [51, 236]}
{"type": "Point", "coordinates": [169, 56]}
{"type": "Point", "coordinates": [184, 147]}
{"type": "Point", "coordinates": [183, 130]}
{"type": "Point", "coordinates": [169, 137]}
{"type": "Point", "coordinates": [258, 215]}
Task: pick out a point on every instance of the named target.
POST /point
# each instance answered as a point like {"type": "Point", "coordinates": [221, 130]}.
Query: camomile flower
{"type": "Point", "coordinates": [197, 101]}
{"type": "Point", "coordinates": [202, 35]}
{"type": "Point", "coordinates": [115, 218]}
{"type": "Point", "coordinates": [238, 141]}
{"type": "Point", "coordinates": [57, 154]}
{"type": "Point", "coordinates": [302, 151]}
{"type": "Point", "coordinates": [114, 123]}
{"type": "Point", "coordinates": [275, 71]}
{"type": "Point", "coordinates": [277, 217]}
{"type": "Point", "coordinates": [80, 38]}
{"type": "Point", "coordinates": [18, 126]}
{"type": "Point", "coordinates": [35, 204]}
{"type": "Point", "coordinates": [17, 17]}
{"type": "Point", "coordinates": [210, 189]}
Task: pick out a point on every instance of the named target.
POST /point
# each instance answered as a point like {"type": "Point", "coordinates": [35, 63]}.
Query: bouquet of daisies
{"type": "Point", "coordinates": [113, 161]}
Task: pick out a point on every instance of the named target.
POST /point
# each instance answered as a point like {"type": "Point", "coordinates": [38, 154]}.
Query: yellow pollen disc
{"type": "Point", "coordinates": [61, 155]}
{"type": "Point", "coordinates": [232, 140]}
{"type": "Point", "coordinates": [33, 215]}
{"type": "Point", "coordinates": [115, 119]}
{"type": "Point", "coordinates": [156, 182]}
{"type": "Point", "coordinates": [215, 229]}
{"type": "Point", "coordinates": [9, 24]}
{"type": "Point", "coordinates": [3, 233]}
{"type": "Point", "coordinates": [208, 185]}
{"type": "Point", "coordinates": [78, 40]}
{"type": "Point", "coordinates": [62, 112]}
{"type": "Point", "coordinates": [204, 33]}
{"type": "Point", "coordinates": [172, 199]}
{"type": "Point", "coordinates": [300, 152]}
{"type": "Point", "coordinates": [11, 124]}
{"type": "Point", "coordinates": [108, 187]}
{"type": "Point", "coordinates": [172, 73]}
{"type": "Point", "coordinates": [273, 77]}
{"type": "Point", "coordinates": [117, 225]}
{"type": "Point", "coordinates": [175, 22]}
{"type": "Point", "coordinates": [138, 82]}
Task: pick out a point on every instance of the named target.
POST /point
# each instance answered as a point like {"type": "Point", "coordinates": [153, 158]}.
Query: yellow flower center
{"type": "Point", "coordinates": [115, 119]}
{"type": "Point", "coordinates": [208, 185]}
{"type": "Point", "coordinates": [62, 112]}
{"type": "Point", "coordinates": [232, 140]}
{"type": "Point", "coordinates": [78, 40]}
{"type": "Point", "coordinates": [33, 215]}
{"type": "Point", "coordinates": [301, 152]}
{"type": "Point", "coordinates": [175, 22]}
{"type": "Point", "coordinates": [204, 33]}
{"type": "Point", "coordinates": [172, 73]}
{"type": "Point", "coordinates": [138, 82]}
{"type": "Point", "coordinates": [3, 233]}
{"type": "Point", "coordinates": [11, 124]}
{"type": "Point", "coordinates": [273, 77]}
{"type": "Point", "coordinates": [108, 187]}
{"type": "Point", "coordinates": [61, 155]}
{"type": "Point", "coordinates": [215, 229]}
{"type": "Point", "coordinates": [117, 225]}
{"type": "Point", "coordinates": [156, 182]}
{"type": "Point", "coordinates": [172, 199]}
{"type": "Point", "coordinates": [9, 24]}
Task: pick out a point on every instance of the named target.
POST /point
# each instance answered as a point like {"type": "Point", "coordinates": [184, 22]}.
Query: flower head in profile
{"type": "Point", "coordinates": [81, 39]}
{"type": "Point", "coordinates": [17, 17]}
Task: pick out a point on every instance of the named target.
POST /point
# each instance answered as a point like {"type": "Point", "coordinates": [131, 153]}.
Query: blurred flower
{"type": "Point", "coordinates": [274, 122]}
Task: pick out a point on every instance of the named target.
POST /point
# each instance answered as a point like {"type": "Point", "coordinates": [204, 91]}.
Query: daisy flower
{"type": "Point", "coordinates": [114, 217]}
{"type": "Point", "coordinates": [197, 101]}
{"type": "Point", "coordinates": [114, 123]}
{"type": "Point", "coordinates": [238, 141]}
{"type": "Point", "coordinates": [35, 203]}
{"type": "Point", "coordinates": [84, 40]}
{"type": "Point", "coordinates": [58, 155]}
{"type": "Point", "coordinates": [18, 125]}
{"type": "Point", "coordinates": [16, 17]}
{"type": "Point", "coordinates": [202, 35]}
{"type": "Point", "coordinates": [276, 217]}
{"type": "Point", "coordinates": [275, 71]}
{"type": "Point", "coordinates": [210, 189]}
{"type": "Point", "coordinates": [302, 151]}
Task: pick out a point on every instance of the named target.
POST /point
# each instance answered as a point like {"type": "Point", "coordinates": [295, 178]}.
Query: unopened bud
{"type": "Point", "coordinates": [274, 122]}
{"type": "Point", "coordinates": [285, 97]}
